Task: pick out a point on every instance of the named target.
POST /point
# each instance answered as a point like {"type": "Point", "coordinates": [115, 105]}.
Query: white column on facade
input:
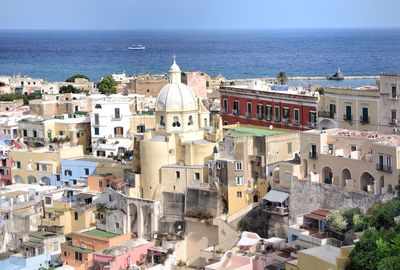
{"type": "Point", "coordinates": [128, 218]}
{"type": "Point", "coordinates": [140, 229]}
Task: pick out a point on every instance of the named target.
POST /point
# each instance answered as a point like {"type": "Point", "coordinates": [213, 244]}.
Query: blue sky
{"type": "Point", "coordinates": [198, 14]}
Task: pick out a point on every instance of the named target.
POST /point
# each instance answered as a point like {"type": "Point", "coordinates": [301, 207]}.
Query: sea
{"type": "Point", "coordinates": [56, 55]}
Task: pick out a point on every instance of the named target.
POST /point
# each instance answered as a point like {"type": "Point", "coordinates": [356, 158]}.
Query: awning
{"type": "Point", "coordinates": [276, 196]}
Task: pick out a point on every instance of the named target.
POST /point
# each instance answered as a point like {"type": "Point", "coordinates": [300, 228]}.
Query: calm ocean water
{"type": "Point", "coordinates": [55, 55]}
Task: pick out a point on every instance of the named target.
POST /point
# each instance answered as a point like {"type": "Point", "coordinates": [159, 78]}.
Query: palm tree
{"type": "Point", "coordinates": [282, 78]}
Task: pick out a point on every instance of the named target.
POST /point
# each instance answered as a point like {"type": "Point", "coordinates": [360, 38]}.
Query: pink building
{"type": "Point", "coordinates": [121, 256]}
{"type": "Point", "coordinates": [5, 170]}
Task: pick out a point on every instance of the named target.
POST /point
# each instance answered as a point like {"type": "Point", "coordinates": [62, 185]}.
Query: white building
{"type": "Point", "coordinates": [110, 125]}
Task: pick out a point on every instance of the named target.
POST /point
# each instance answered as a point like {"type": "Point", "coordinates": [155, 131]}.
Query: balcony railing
{"type": "Point", "coordinates": [260, 116]}
{"type": "Point", "coordinates": [277, 210]}
{"type": "Point", "coordinates": [295, 122]}
{"type": "Point", "coordinates": [277, 119]}
{"type": "Point", "coordinates": [326, 114]}
{"type": "Point", "coordinates": [394, 122]}
{"type": "Point", "coordinates": [235, 112]}
{"type": "Point", "coordinates": [312, 155]}
{"type": "Point", "coordinates": [285, 120]}
{"type": "Point", "coordinates": [348, 118]}
{"type": "Point", "coordinates": [268, 117]}
{"type": "Point", "coordinates": [223, 110]}
{"type": "Point", "coordinates": [364, 120]}
{"type": "Point", "coordinates": [312, 124]}
{"type": "Point", "coordinates": [383, 168]}
{"type": "Point", "coordinates": [248, 114]}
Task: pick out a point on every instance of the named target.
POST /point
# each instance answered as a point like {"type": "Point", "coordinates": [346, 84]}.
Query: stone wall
{"type": "Point", "coordinates": [202, 201]}
{"type": "Point", "coordinates": [306, 196]}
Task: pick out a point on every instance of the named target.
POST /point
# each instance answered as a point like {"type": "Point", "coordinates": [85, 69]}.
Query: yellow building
{"type": "Point", "coordinates": [40, 165]}
{"type": "Point", "coordinates": [366, 161]}
{"type": "Point", "coordinates": [321, 258]}
{"type": "Point", "coordinates": [245, 155]}
{"type": "Point", "coordinates": [68, 210]}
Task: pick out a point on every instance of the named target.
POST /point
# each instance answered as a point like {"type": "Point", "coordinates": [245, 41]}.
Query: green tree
{"type": "Point", "coordinates": [107, 86]}
{"type": "Point", "coordinates": [76, 76]}
{"type": "Point", "coordinates": [383, 214]}
{"type": "Point", "coordinates": [282, 78]}
{"type": "Point", "coordinates": [337, 221]}
{"type": "Point", "coordinates": [389, 263]}
{"type": "Point", "coordinates": [70, 89]}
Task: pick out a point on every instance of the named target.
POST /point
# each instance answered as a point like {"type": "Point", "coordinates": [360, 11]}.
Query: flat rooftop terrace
{"type": "Point", "coordinates": [250, 131]}
{"type": "Point", "coordinates": [100, 233]}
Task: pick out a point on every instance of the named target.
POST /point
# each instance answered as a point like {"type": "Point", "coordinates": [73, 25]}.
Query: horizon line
{"type": "Point", "coordinates": [203, 29]}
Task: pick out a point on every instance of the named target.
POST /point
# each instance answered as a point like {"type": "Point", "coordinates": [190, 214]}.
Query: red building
{"type": "Point", "coordinates": [288, 109]}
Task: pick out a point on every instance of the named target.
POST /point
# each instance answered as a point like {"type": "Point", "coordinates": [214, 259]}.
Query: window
{"type": "Point", "coordinates": [239, 166]}
{"type": "Point", "coordinates": [348, 116]}
{"type": "Point", "coordinates": [353, 148]}
{"type": "Point", "coordinates": [176, 123]}
{"type": "Point", "coordinates": [117, 114]}
{"type": "Point", "coordinates": [259, 111]}
{"type": "Point", "coordinates": [108, 184]}
{"type": "Point", "coordinates": [190, 120]}
{"type": "Point", "coordinates": [44, 168]}
{"type": "Point", "coordinates": [140, 128]}
{"type": "Point", "coordinates": [100, 183]}
{"type": "Point", "coordinates": [289, 148]}
{"type": "Point", "coordinates": [296, 116]}
{"type": "Point", "coordinates": [162, 123]}
{"type": "Point", "coordinates": [239, 180]}
{"type": "Point", "coordinates": [239, 194]}
{"type": "Point", "coordinates": [25, 132]}
{"type": "Point", "coordinates": [86, 171]}
{"type": "Point", "coordinates": [364, 118]}
{"type": "Point", "coordinates": [47, 200]}
{"type": "Point", "coordinates": [268, 113]}
{"type": "Point", "coordinates": [118, 132]}
{"type": "Point", "coordinates": [286, 113]}
{"type": "Point", "coordinates": [76, 216]}
{"type": "Point", "coordinates": [249, 109]}
{"type": "Point", "coordinates": [110, 197]}
{"type": "Point", "coordinates": [218, 165]}
{"type": "Point", "coordinates": [78, 256]}
{"type": "Point", "coordinates": [196, 176]}
{"type": "Point", "coordinates": [78, 135]}
{"type": "Point", "coordinates": [178, 174]}
{"type": "Point", "coordinates": [96, 119]}
{"type": "Point", "coordinates": [65, 254]}
{"type": "Point", "coordinates": [35, 134]}
{"type": "Point", "coordinates": [312, 117]}
{"type": "Point", "coordinates": [101, 153]}
{"type": "Point", "coordinates": [389, 163]}
{"type": "Point", "coordinates": [235, 107]}
{"type": "Point", "coordinates": [224, 105]}
{"type": "Point", "coordinates": [68, 173]}
{"type": "Point", "coordinates": [96, 131]}
{"type": "Point", "coordinates": [18, 164]}
{"type": "Point", "coordinates": [61, 133]}
{"type": "Point", "coordinates": [276, 113]}
{"type": "Point", "coordinates": [117, 225]}
{"type": "Point", "coordinates": [394, 117]}
{"type": "Point", "coordinates": [76, 108]}
{"type": "Point", "coordinates": [394, 91]}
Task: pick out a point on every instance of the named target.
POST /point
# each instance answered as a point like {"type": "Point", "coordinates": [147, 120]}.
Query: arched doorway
{"type": "Point", "coordinates": [18, 179]}
{"type": "Point", "coordinates": [45, 181]}
{"type": "Point", "coordinates": [146, 211]}
{"type": "Point", "coordinates": [346, 175]}
{"type": "Point", "coordinates": [133, 214]}
{"type": "Point", "coordinates": [327, 175]}
{"type": "Point", "coordinates": [31, 179]}
{"type": "Point", "coordinates": [366, 179]}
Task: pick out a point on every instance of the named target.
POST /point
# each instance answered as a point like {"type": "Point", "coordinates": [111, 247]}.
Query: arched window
{"type": "Point", "coordinates": [162, 123]}
{"type": "Point", "coordinates": [176, 122]}
{"type": "Point", "coordinates": [98, 106]}
{"type": "Point", "coordinates": [190, 120]}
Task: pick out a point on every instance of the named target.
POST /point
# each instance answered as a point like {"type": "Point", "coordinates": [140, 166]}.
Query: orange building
{"type": "Point", "coordinates": [100, 182]}
{"type": "Point", "coordinates": [79, 252]}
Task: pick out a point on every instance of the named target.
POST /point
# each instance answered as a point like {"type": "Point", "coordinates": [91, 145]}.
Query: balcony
{"type": "Point", "coordinates": [383, 168]}
{"type": "Point", "coordinates": [312, 155]}
{"type": "Point", "coordinates": [394, 122]}
{"type": "Point", "coordinates": [364, 120]}
{"type": "Point", "coordinates": [248, 114]}
{"type": "Point", "coordinates": [348, 118]}
{"type": "Point", "coordinates": [324, 114]}
{"type": "Point", "coordinates": [235, 112]}
{"type": "Point", "coordinates": [277, 210]}
{"type": "Point", "coordinates": [260, 116]}
{"type": "Point", "coordinates": [268, 118]}
{"type": "Point", "coordinates": [312, 124]}
{"type": "Point", "coordinates": [296, 122]}
{"type": "Point", "coordinates": [285, 120]}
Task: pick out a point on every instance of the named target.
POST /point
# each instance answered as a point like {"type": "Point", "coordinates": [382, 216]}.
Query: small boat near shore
{"type": "Point", "coordinates": [337, 76]}
{"type": "Point", "coordinates": [137, 47]}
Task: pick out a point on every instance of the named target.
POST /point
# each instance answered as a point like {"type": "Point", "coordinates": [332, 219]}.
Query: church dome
{"type": "Point", "coordinates": [176, 97]}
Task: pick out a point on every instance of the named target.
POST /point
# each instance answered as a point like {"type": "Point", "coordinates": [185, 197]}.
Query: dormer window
{"type": "Point", "coordinates": [176, 122]}
{"type": "Point", "coordinates": [190, 120]}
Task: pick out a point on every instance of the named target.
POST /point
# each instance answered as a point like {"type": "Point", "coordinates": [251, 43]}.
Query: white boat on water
{"type": "Point", "coordinates": [136, 47]}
